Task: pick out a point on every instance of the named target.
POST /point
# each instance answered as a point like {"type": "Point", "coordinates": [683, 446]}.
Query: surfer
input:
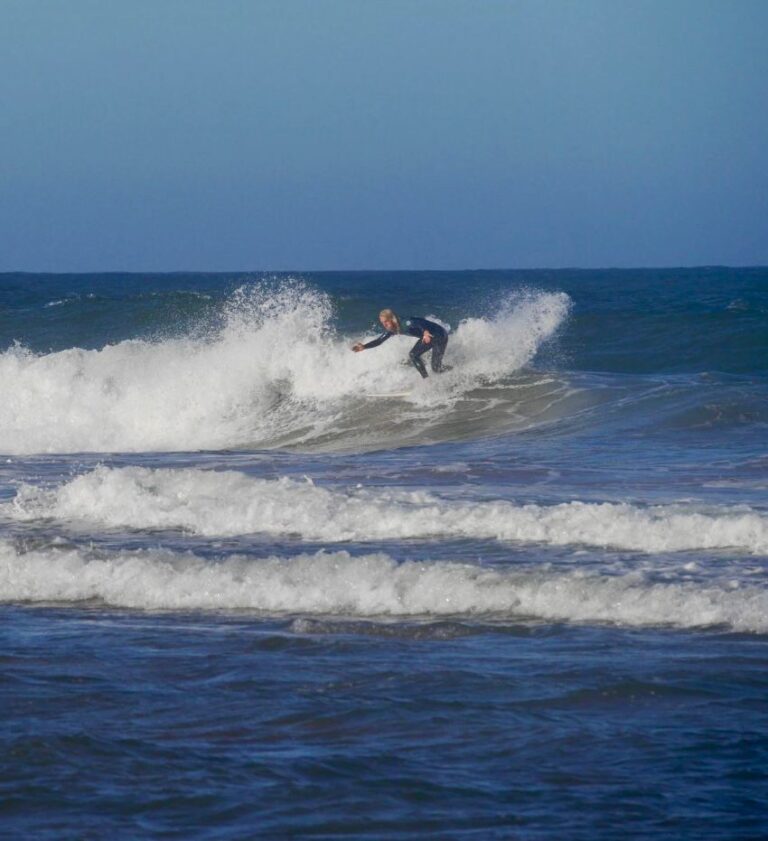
{"type": "Point", "coordinates": [431, 336]}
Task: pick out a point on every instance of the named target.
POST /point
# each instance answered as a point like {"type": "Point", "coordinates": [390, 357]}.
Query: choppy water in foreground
{"type": "Point", "coordinates": [243, 597]}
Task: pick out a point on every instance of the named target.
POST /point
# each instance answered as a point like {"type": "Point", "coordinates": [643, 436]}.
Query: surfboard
{"type": "Point", "coordinates": [389, 394]}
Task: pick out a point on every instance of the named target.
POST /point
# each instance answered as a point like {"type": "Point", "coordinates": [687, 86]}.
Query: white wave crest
{"type": "Point", "coordinates": [370, 585]}
{"type": "Point", "coordinates": [212, 503]}
{"type": "Point", "coordinates": [277, 366]}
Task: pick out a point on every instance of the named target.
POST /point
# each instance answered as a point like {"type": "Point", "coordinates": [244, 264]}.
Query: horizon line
{"type": "Point", "coordinates": [386, 270]}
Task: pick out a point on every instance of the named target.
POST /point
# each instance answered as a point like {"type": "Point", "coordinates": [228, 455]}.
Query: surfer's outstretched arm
{"type": "Point", "coordinates": [373, 343]}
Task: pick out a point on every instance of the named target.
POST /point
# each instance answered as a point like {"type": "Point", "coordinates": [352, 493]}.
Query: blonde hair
{"type": "Point", "coordinates": [391, 316]}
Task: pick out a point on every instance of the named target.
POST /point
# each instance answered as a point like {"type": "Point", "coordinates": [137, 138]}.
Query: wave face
{"type": "Point", "coordinates": [228, 503]}
{"type": "Point", "coordinates": [273, 371]}
{"type": "Point", "coordinates": [340, 584]}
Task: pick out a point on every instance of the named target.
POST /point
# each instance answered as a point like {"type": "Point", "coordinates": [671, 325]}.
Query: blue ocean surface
{"type": "Point", "coordinates": [243, 595]}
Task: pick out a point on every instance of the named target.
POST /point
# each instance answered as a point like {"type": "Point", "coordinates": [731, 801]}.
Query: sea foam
{"type": "Point", "coordinates": [227, 503]}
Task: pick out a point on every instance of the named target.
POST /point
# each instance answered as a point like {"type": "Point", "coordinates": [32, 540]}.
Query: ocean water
{"type": "Point", "coordinates": [244, 596]}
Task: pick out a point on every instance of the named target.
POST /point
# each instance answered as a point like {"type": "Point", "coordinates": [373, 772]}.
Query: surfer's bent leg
{"type": "Point", "coordinates": [415, 356]}
{"type": "Point", "coordinates": [439, 344]}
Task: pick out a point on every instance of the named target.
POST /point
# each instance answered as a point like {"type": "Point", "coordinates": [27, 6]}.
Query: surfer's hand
{"type": "Point", "coordinates": [427, 337]}
{"type": "Point", "coordinates": [358, 347]}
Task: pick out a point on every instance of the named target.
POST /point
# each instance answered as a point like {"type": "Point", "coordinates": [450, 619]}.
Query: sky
{"type": "Point", "coordinates": [205, 135]}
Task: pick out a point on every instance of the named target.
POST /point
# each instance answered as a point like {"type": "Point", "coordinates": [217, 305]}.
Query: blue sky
{"type": "Point", "coordinates": [160, 135]}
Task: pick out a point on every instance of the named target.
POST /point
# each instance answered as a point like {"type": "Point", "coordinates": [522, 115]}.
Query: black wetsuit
{"type": "Point", "coordinates": [415, 327]}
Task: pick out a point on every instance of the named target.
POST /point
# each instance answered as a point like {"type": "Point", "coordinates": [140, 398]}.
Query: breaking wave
{"type": "Point", "coordinates": [274, 373]}
{"type": "Point", "coordinates": [339, 583]}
